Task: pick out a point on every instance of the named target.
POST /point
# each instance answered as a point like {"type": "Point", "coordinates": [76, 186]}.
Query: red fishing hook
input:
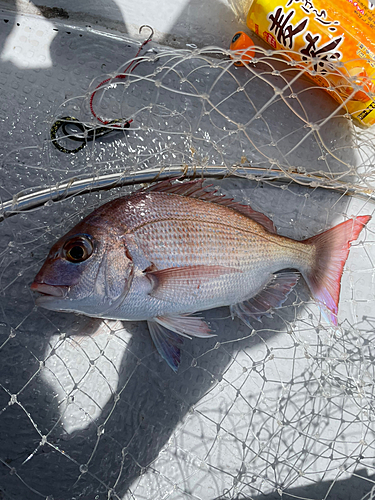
{"type": "Point", "coordinates": [123, 75]}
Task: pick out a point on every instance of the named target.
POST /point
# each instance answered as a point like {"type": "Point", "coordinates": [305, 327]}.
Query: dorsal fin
{"type": "Point", "coordinates": [195, 189]}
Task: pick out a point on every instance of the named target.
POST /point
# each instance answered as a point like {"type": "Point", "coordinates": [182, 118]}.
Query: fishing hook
{"type": "Point", "coordinates": [85, 134]}
{"type": "Point", "coordinates": [150, 28]}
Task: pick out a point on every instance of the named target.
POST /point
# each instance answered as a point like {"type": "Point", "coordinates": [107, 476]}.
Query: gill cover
{"type": "Point", "coordinates": [115, 277]}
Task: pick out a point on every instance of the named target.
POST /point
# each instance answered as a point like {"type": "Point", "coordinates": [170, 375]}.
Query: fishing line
{"type": "Point", "coordinates": [87, 133]}
{"type": "Point", "coordinates": [84, 135]}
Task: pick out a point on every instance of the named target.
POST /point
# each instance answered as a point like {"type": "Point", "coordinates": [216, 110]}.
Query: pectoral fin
{"type": "Point", "coordinates": [273, 295]}
{"type": "Point", "coordinates": [187, 279]}
{"type": "Point", "coordinates": [166, 334]}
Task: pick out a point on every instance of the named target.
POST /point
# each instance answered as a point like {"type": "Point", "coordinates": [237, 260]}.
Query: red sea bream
{"type": "Point", "coordinates": [164, 253]}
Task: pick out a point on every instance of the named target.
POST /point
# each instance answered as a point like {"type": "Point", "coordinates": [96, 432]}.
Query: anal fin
{"type": "Point", "coordinates": [273, 295]}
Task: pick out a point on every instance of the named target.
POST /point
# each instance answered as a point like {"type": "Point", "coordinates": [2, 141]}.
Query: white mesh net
{"type": "Point", "coordinates": [88, 409]}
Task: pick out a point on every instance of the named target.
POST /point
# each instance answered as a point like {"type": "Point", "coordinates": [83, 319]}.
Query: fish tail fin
{"type": "Point", "coordinates": [331, 251]}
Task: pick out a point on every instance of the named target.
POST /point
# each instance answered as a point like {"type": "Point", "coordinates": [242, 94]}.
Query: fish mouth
{"type": "Point", "coordinates": [49, 292]}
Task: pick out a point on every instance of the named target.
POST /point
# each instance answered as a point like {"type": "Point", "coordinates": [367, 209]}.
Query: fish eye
{"type": "Point", "coordinates": [77, 249]}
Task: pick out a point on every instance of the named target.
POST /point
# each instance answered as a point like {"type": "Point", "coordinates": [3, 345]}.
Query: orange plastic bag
{"type": "Point", "coordinates": [329, 32]}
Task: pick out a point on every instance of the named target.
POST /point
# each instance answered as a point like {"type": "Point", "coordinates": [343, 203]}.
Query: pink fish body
{"type": "Point", "coordinates": [164, 253]}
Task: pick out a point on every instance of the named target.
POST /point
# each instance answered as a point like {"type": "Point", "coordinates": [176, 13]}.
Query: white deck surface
{"type": "Point", "coordinates": [288, 409]}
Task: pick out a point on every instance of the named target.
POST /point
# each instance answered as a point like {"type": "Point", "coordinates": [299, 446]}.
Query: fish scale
{"type": "Point", "coordinates": [166, 252]}
{"type": "Point", "coordinates": [206, 239]}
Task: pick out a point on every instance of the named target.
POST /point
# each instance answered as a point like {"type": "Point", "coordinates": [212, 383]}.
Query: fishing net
{"type": "Point", "coordinates": [88, 410]}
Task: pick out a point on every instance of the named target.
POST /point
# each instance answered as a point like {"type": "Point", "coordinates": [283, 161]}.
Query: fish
{"type": "Point", "coordinates": [168, 251]}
